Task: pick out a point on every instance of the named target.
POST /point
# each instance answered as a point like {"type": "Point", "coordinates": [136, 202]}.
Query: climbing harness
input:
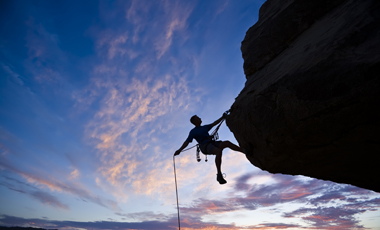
{"type": "Point", "coordinates": [214, 137]}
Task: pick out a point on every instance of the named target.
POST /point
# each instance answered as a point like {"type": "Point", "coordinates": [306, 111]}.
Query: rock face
{"type": "Point", "coordinates": [311, 103]}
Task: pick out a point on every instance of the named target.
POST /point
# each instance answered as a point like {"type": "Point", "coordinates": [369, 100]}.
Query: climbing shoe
{"type": "Point", "coordinates": [220, 179]}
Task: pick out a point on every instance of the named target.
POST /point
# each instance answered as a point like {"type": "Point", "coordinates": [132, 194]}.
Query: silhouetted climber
{"type": "Point", "coordinates": [207, 145]}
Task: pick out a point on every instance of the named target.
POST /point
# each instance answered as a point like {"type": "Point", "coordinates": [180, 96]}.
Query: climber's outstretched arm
{"type": "Point", "coordinates": [184, 145]}
{"type": "Point", "coordinates": [220, 119]}
{"type": "Point", "coordinates": [217, 121]}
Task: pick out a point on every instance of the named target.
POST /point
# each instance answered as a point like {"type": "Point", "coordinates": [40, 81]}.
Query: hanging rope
{"type": "Point", "coordinates": [176, 191]}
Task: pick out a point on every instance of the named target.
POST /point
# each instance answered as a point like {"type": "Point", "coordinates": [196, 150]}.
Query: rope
{"type": "Point", "coordinates": [176, 191]}
{"type": "Point", "coordinates": [189, 148]}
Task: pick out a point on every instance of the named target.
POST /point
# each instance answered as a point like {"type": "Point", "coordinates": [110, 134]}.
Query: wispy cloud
{"type": "Point", "coordinates": [74, 174]}
{"type": "Point", "coordinates": [174, 15]}
{"type": "Point", "coordinates": [45, 56]}
{"type": "Point", "coordinates": [48, 199]}
{"type": "Point", "coordinates": [54, 185]}
{"type": "Point", "coordinates": [34, 192]}
{"type": "Point", "coordinates": [177, 16]}
{"type": "Point", "coordinates": [111, 44]}
{"type": "Point", "coordinates": [14, 76]}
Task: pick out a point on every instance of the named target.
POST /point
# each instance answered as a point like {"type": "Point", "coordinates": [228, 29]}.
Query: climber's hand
{"type": "Point", "coordinates": [177, 153]}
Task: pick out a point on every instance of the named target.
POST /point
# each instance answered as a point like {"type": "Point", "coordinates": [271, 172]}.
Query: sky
{"type": "Point", "coordinates": [95, 98]}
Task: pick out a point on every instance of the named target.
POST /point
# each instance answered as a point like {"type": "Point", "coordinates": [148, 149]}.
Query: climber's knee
{"type": "Point", "coordinates": [225, 144]}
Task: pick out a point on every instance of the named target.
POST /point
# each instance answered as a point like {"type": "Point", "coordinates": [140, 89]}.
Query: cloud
{"type": "Point", "coordinates": [14, 76]}
{"type": "Point", "coordinates": [169, 223]}
{"type": "Point", "coordinates": [137, 15]}
{"type": "Point", "coordinates": [175, 21]}
{"type": "Point", "coordinates": [285, 189]}
{"type": "Point", "coordinates": [222, 7]}
{"type": "Point", "coordinates": [275, 226]}
{"type": "Point", "coordinates": [203, 207]}
{"type": "Point", "coordinates": [59, 186]}
{"type": "Point", "coordinates": [45, 56]}
{"type": "Point", "coordinates": [110, 44]}
{"type": "Point", "coordinates": [55, 185]}
{"type": "Point", "coordinates": [119, 128]}
{"type": "Point", "coordinates": [328, 218]}
{"type": "Point", "coordinates": [48, 199]}
{"type": "Point", "coordinates": [35, 193]}
{"type": "Point", "coordinates": [172, 18]}
{"type": "Point", "coordinates": [74, 174]}
{"type": "Point", "coordinates": [348, 201]}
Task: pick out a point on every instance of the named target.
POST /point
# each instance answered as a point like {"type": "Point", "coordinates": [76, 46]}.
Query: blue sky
{"type": "Point", "coordinates": [95, 97]}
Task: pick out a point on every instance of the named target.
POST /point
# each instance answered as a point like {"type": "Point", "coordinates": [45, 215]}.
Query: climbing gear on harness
{"type": "Point", "coordinates": [176, 191]}
{"type": "Point", "coordinates": [198, 157]}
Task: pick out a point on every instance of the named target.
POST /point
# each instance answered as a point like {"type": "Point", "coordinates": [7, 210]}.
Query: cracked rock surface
{"type": "Point", "coordinates": [311, 102]}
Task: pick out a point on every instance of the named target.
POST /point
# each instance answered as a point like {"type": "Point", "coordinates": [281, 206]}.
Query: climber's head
{"type": "Point", "coordinates": [195, 120]}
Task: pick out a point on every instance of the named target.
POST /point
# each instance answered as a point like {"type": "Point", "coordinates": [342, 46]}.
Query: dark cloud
{"type": "Point", "coordinates": [342, 214]}
{"type": "Point", "coordinates": [35, 193]}
{"type": "Point", "coordinates": [19, 182]}
{"type": "Point", "coordinates": [371, 205]}
{"type": "Point", "coordinates": [171, 223]}
{"type": "Point", "coordinates": [204, 206]}
{"type": "Point", "coordinates": [48, 199]}
{"type": "Point", "coordinates": [328, 218]}
{"type": "Point", "coordinates": [337, 195]}
{"type": "Point", "coordinates": [144, 216]}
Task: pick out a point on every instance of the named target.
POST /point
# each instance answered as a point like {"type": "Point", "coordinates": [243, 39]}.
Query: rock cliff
{"type": "Point", "coordinates": [310, 105]}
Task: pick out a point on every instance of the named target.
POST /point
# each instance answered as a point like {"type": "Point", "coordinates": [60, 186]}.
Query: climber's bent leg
{"type": "Point", "coordinates": [228, 144]}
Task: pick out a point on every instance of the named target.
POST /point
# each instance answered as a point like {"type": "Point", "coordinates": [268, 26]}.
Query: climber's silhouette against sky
{"type": "Point", "coordinates": [207, 145]}
{"type": "Point", "coordinates": [95, 98]}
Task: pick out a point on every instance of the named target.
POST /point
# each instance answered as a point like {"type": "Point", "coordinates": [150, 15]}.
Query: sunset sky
{"type": "Point", "coordinates": [96, 96]}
